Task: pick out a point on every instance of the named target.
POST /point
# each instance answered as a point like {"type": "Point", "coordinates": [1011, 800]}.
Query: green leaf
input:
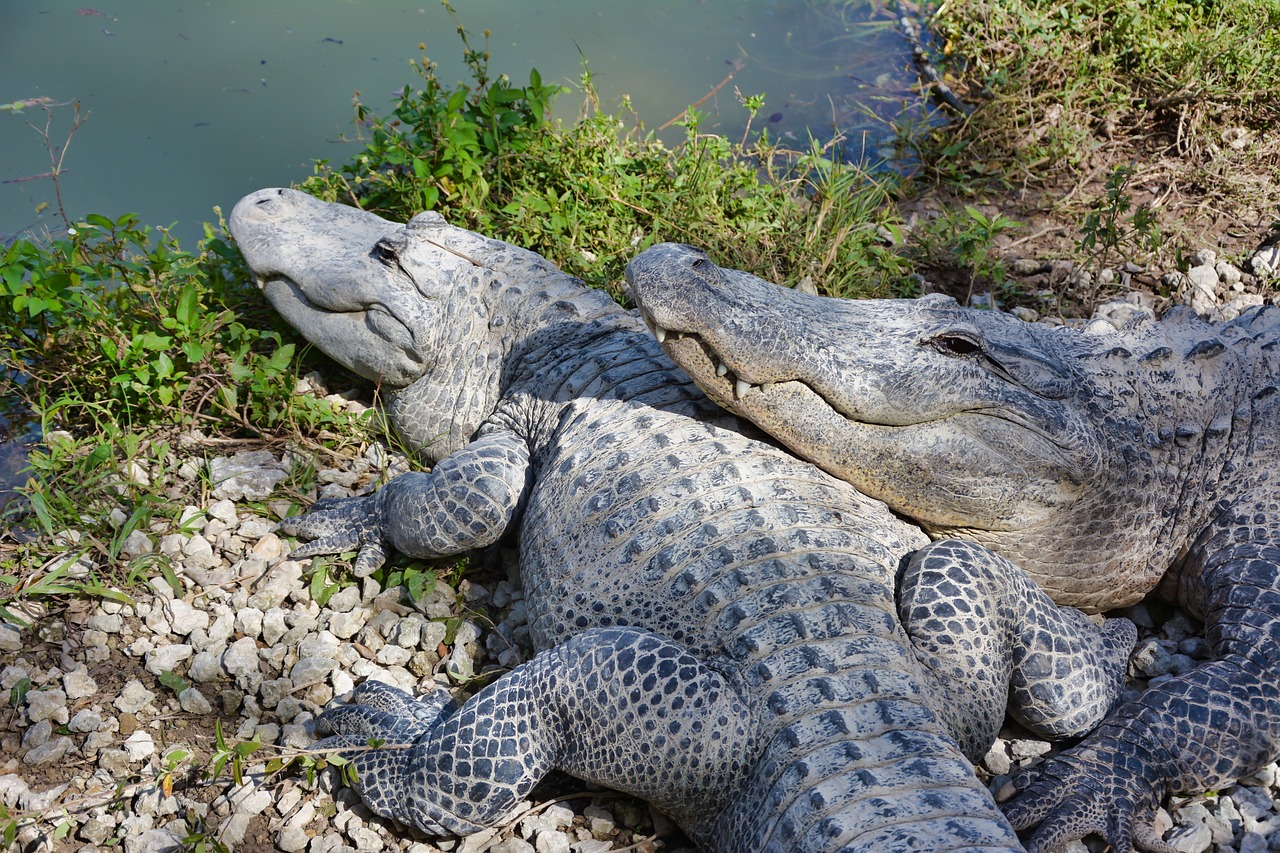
{"type": "Point", "coordinates": [193, 351]}
{"type": "Point", "coordinates": [188, 302]}
{"type": "Point", "coordinates": [176, 683]}
{"type": "Point", "coordinates": [18, 693]}
{"type": "Point", "coordinates": [163, 366]}
{"type": "Point", "coordinates": [281, 358]}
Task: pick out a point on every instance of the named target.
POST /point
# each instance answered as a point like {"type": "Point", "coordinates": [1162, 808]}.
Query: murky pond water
{"type": "Point", "coordinates": [192, 104]}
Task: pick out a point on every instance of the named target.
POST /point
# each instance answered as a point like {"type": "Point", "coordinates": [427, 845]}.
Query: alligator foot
{"type": "Point", "coordinates": [1088, 790]}
{"type": "Point", "coordinates": [991, 636]}
{"type": "Point", "coordinates": [618, 706]}
{"type": "Point", "coordinates": [378, 729]}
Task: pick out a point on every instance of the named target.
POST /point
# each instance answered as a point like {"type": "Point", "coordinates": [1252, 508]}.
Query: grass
{"type": "Point", "coordinates": [1064, 92]}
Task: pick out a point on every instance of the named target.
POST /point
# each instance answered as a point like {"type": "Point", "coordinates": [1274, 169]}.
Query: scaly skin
{"type": "Point", "coordinates": [716, 620]}
{"type": "Point", "coordinates": [1103, 462]}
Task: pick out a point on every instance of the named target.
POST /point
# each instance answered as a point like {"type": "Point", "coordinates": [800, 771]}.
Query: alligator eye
{"type": "Point", "coordinates": [959, 346]}
{"type": "Point", "coordinates": [384, 253]}
{"type": "Point", "coordinates": [699, 263]}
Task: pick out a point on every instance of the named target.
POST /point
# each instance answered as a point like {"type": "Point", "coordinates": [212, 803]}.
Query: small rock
{"type": "Point", "coordinates": [47, 705]}
{"type": "Point", "coordinates": [96, 830]}
{"type": "Point", "coordinates": [241, 657]}
{"type": "Point", "coordinates": [592, 845]}
{"type": "Point", "coordinates": [54, 750]}
{"type": "Point", "coordinates": [1192, 839]}
{"type": "Point", "coordinates": [10, 638]}
{"type": "Point", "coordinates": [344, 600]}
{"type": "Point", "coordinates": [193, 701]}
{"type": "Point", "coordinates": [85, 720]}
{"type": "Point", "coordinates": [311, 670]}
{"type": "Point", "coordinates": [1228, 273]}
{"type": "Point", "coordinates": [248, 475]}
{"type": "Point", "coordinates": [344, 626]}
{"type": "Point", "coordinates": [1022, 748]}
{"type": "Point", "coordinates": [139, 745]}
{"type": "Point", "coordinates": [552, 842]}
{"type": "Point", "coordinates": [78, 685]}
{"type": "Point", "coordinates": [365, 839]}
{"type": "Point", "coordinates": [136, 544]}
{"type": "Point", "coordinates": [164, 659]}
{"type": "Point", "coordinates": [599, 821]}
{"type": "Point", "coordinates": [198, 553]}
{"type": "Point", "coordinates": [107, 623]}
{"type": "Point", "coordinates": [997, 758]}
{"type": "Point", "coordinates": [1203, 258]}
{"type": "Point", "coordinates": [273, 626]}
{"type": "Point", "coordinates": [284, 577]}
{"type": "Point", "coordinates": [183, 618]}
{"type": "Point", "coordinates": [205, 667]}
{"type": "Point", "coordinates": [1151, 658]}
{"type": "Point", "coordinates": [249, 621]}
{"type": "Point", "coordinates": [292, 839]}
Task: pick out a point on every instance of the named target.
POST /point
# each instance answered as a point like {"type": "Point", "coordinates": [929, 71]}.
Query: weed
{"type": "Point", "coordinates": [1061, 85]}
{"type": "Point", "coordinates": [965, 239]}
{"type": "Point", "coordinates": [591, 194]}
{"type": "Point", "coordinates": [1114, 228]}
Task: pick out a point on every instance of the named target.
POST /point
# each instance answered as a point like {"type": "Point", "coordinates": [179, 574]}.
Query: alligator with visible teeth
{"type": "Point", "coordinates": [1105, 462]}
{"type": "Point", "coordinates": [716, 620]}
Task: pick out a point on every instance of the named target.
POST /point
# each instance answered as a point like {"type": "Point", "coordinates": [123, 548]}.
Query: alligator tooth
{"type": "Point", "coordinates": [766, 386]}
{"type": "Point", "coordinates": [721, 368]}
{"type": "Point", "coordinates": [740, 389]}
{"type": "Point", "coordinates": [262, 283]}
{"type": "Point", "coordinates": [659, 333]}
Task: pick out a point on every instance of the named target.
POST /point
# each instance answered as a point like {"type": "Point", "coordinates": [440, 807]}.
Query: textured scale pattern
{"type": "Point", "coordinates": [1107, 463]}
{"type": "Point", "coordinates": [717, 623]}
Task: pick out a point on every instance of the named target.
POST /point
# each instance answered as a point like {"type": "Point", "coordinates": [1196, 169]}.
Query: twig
{"type": "Point", "coordinates": [701, 100]}
{"type": "Point", "coordinates": [928, 74]}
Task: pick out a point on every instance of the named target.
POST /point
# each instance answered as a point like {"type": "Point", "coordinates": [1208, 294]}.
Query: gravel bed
{"type": "Point", "coordinates": [92, 743]}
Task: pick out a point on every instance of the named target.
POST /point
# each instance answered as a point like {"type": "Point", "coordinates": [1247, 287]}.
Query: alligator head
{"type": "Point", "coordinates": [973, 423]}
{"type": "Point", "coordinates": [403, 305]}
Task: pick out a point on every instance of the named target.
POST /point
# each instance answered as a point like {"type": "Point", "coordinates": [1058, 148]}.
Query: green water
{"type": "Point", "coordinates": [193, 104]}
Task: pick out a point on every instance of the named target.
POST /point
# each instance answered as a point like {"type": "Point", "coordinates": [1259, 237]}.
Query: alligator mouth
{"type": "Point", "coordinates": [375, 323]}
{"type": "Point", "coordinates": [739, 394]}
{"type": "Point", "coordinates": [739, 386]}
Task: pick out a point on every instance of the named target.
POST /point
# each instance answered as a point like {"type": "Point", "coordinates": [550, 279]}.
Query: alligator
{"type": "Point", "coordinates": [1109, 463]}
{"type": "Point", "coordinates": [715, 620]}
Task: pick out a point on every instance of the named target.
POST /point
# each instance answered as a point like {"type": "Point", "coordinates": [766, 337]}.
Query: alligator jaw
{"type": "Point", "coordinates": [738, 386]}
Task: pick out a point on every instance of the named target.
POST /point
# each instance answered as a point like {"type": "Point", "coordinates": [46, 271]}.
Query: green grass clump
{"type": "Point", "coordinates": [119, 328]}
{"type": "Point", "coordinates": [1054, 82]}
{"type": "Point", "coordinates": [592, 194]}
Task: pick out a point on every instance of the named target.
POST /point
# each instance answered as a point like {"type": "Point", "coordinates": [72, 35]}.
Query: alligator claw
{"type": "Point", "coordinates": [1085, 792]}
{"type": "Point", "coordinates": [391, 722]}
{"type": "Point", "coordinates": [335, 525]}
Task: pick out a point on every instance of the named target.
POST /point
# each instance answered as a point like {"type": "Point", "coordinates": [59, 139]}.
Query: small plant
{"type": "Point", "coordinates": [1114, 228]}
{"type": "Point", "coordinates": [965, 239]}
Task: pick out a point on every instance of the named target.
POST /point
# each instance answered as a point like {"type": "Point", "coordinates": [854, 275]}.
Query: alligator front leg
{"type": "Point", "coordinates": [992, 638]}
{"type": "Point", "coordinates": [1194, 733]}
{"type": "Point", "coordinates": [620, 707]}
{"type": "Point", "coordinates": [466, 502]}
